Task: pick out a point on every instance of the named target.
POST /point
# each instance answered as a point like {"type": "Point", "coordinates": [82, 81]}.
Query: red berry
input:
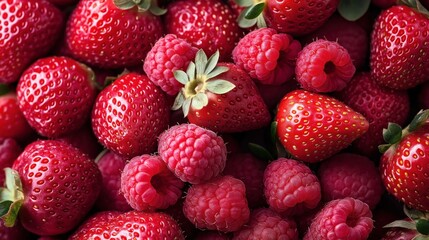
{"type": "Point", "coordinates": [9, 151]}
{"type": "Point", "coordinates": [12, 122]}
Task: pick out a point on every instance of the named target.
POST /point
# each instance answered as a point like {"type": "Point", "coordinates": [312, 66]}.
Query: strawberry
{"type": "Point", "coordinates": [313, 127]}
{"type": "Point", "coordinates": [50, 187]}
{"type": "Point", "coordinates": [206, 24]}
{"type": "Point", "coordinates": [399, 48]}
{"type": "Point", "coordinates": [111, 33]}
{"type": "Point", "coordinates": [129, 114]}
{"type": "Point", "coordinates": [404, 165]}
{"type": "Point", "coordinates": [220, 96]}
{"type": "Point", "coordinates": [28, 30]}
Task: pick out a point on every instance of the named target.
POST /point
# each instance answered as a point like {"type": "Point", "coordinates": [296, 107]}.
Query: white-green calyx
{"type": "Point", "coordinates": [252, 13]}
{"type": "Point", "coordinates": [200, 78]}
{"type": "Point", "coordinates": [11, 197]}
{"type": "Point", "coordinates": [143, 6]}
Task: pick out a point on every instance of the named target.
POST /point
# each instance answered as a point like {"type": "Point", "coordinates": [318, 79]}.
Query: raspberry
{"type": "Point", "coordinates": [147, 184]}
{"type": "Point", "coordinates": [290, 187]}
{"type": "Point", "coordinates": [267, 56]}
{"type": "Point", "coordinates": [267, 224]}
{"type": "Point", "coordinates": [169, 53]}
{"type": "Point", "coordinates": [350, 175]}
{"type": "Point", "coordinates": [346, 218]}
{"type": "Point", "coordinates": [324, 66]}
{"type": "Point", "coordinates": [219, 204]}
{"type": "Point", "coordinates": [250, 170]}
{"type": "Point", "coordinates": [194, 154]}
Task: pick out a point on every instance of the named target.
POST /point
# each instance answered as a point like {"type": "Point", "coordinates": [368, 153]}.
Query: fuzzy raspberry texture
{"type": "Point", "coordinates": [194, 154]}
{"type": "Point", "coordinates": [350, 175]}
{"type": "Point", "coordinates": [324, 66]}
{"type": "Point", "coordinates": [250, 170]}
{"type": "Point", "coordinates": [267, 56]}
{"type": "Point", "coordinates": [169, 54]}
{"type": "Point", "coordinates": [147, 184]}
{"type": "Point", "coordinates": [341, 219]}
{"type": "Point", "coordinates": [290, 187]}
{"type": "Point", "coordinates": [219, 204]}
{"type": "Point", "coordinates": [111, 198]}
{"type": "Point", "coordinates": [267, 224]}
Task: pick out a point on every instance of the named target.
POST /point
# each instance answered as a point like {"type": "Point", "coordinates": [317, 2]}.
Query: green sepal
{"type": "Point", "coordinates": [422, 226]}
{"type": "Point", "coordinates": [393, 133]}
{"type": "Point", "coordinates": [254, 11]}
{"type": "Point", "coordinates": [260, 152]}
{"type": "Point", "coordinates": [383, 147]}
{"type": "Point", "coordinates": [421, 237]}
{"type": "Point", "coordinates": [352, 10]}
{"type": "Point", "coordinates": [125, 4]}
{"type": "Point", "coordinates": [100, 155]}
{"type": "Point", "coordinates": [142, 5]}
{"type": "Point", "coordinates": [11, 197]}
{"type": "Point", "coordinates": [4, 89]}
{"type": "Point", "coordinates": [244, 3]}
{"type": "Point", "coordinates": [251, 15]}
{"type": "Point", "coordinates": [414, 214]}
{"type": "Point", "coordinates": [401, 224]}
{"type": "Point", "coordinates": [219, 86]}
{"type": "Point", "coordinates": [9, 218]}
{"type": "Point", "coordinates": [156, 10]}
{"type": "Point", "coordinates": [421, 118]}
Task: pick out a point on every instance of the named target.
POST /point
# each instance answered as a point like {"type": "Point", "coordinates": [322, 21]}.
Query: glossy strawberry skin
{"type": "Point", "coordinates": [102, 35]}
{"type": "Point", "coordinates": [313, 127]}
{"type": "Point", "coordinates": [399, 48]}
{"type": "Point", "coordinates": [241, 109]}
{"type": "Point", "coordinates": [404, 169]}
{"type": "Point", "coordinates": [12, 122]}
{"type": "Point", "coordinates": [28, 30]}
{"type": "Point", "coordinates": [129, 115]}
{"type": "Point", "coordinates": [60, 185]}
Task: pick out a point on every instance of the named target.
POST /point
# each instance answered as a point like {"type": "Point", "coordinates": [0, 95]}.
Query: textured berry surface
{"type": "Point", "coordinates": [12, 122]}
{"type": "Point", "coordinates": [267, 224]}
{"type": "Point", "coordinates": [267, 55]}
{"type": "Point", "coordinates": [346, 218]}
{"type": "Point", "coordinates": [192, 153]}
{"type": "Point", "coordinates": [85, 140]}
{"type": "Point", "coordinates": [93, 225]}
{"type": "Point", "coordinates": [290, 187]}
{"type": "Point", "coordinates": [56, 94]}
{"type": "Point", "coordinates": [219, 204]}
{"type": "Point", "coordinates": [350, 175]}
{"type": "Point", "coordinates": [169, 54]}
{"type": "Point", "coordinates": [147, 184]}
{"type": "Point", "coordinates": [324, 66]}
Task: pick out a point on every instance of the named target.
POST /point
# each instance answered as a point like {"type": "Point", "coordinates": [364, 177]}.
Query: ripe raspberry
{"type": "Point", "coordinates": [169, 53]}
{"type": "Point", "coordinates": [267, 56]}
{"type": "Point", "coordinates": [147, 184]}
{"type": "Point", "coordinates": [111, 166]}
{"type": "Point", "coordinates": [267, 224]}
{"type": "Point", "coordinates": [324, 66]}
{"type": "Point", "coordinates": [290, 187]}
{"type": "Point", "coordinates": [250, 170]}
{"type": "Point", "coordinates": [350, 175]}
{"type": "Point", "coordinates": [219, 204]}
{"type": "Point", "coordinates": [345, 218]}
{"type": "Point", "coordinates": [194, 154]}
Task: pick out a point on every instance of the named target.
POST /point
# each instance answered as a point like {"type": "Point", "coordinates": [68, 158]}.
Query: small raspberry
{"type": "Point", "coordinates": [346, 218]}
{"type": "Point", "coordinates": [194, 154]}
{"type": "Point", "coordinates": [290, 187]}
{"type": "Point", "coordinates": [350, 175]}
{"type": "Point", "coordinates": [267, 224]}
{"type": "Point", "coordinates": [168, 54]}
{"type": "Point", "coordinates": [147, 184]}
{"type": "Point", "coordinates": [219, 204]}
{"type": "Point", "coordinates": [250, 170]}
{"type": "Point", "coordinates": [324, 66]}
{"type": "Point", "coordinates": [267, 56]}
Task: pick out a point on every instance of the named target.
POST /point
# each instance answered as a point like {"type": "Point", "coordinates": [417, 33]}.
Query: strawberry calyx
{"type": "Point", "coordinates": [352, 10]}
{"type": "Point", "coordinates": [416, 220]}
{"type": "Point", "coordinates": [198, 80]}
{"type": "Point", "coordinates": [416, 5]}
{"type": "Point", "coordinates": [252, 13]}
{"type": "Point", "coordinates": [11, 197]}
{"type": "Point", "coordinates": [142, 6]}
{"type": "Point", "coordinates": [4, 89]}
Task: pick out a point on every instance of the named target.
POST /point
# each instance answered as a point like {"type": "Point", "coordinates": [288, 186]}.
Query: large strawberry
{"type": "Point", "coordinates": [113, 33]}
{"type": "Point", "coordinates": [220, 96]}
{"type": "Point", "coordinates": [129, 114]}
{"type": "Point", "coordinates": [313, 127]}
{"type": "Point", "coordinates": [28, 30]}
{"type": "Point", "coordinates": [399, 48]}
{"type": "Point", "coordinates": [50, 188]}
{"type": "Point", "coordinates": [404, 166]}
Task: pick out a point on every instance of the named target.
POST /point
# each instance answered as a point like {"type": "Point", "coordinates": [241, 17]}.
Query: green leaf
{"type": "Point", "coordinates": [178, 101]}
{"type": "Point", "coordinates": [155, 9]}
{"type": "Point", "coordinates": [393, 133]}
{"type": "Point", "coordinates": [191, 71]}
{"type": "Point", "coordinates": [199, 101]}
{"type": "Point", "coordinates": [4, 89]}
{"type": "Point", "coordinates": [186, 106]}
{"type": "Point", "coordinates": [217, 71]}
{"type": "Point", "coordinates": [260, 22]}
{"type": "Point", "coordinates": [219, 86]}
{"type": "Point", "coordinates": [9, 218]}
{"type": "Point", "coordinates": [254, 11]}
{"type": "Point", "coordinates": [401, 224]}
{"type": "Point", "coordinates": [352, 10]}
{"type": "Point", "coordinates": [200, 62]}
{"type": "Point", "coordinates": [421, 117]}
{"type": "Point", "coordinates": [124, 4]}
{"type": "Point", "coordinates": [212, 62]}
{"type": "Point", "coordinates": [244, 3]}
{"type": "Point", "coordinates": [144, 5]}
{"type": "Point", "coordinates": [383, 147]}
{"type": "Point", "coordinates": [422, 226]}
{"type": "Point", "coordinates": [260, 152]}
{"type": "Point", "coordinates": [413, 213]}
{"type": "Point", "coordinates": [4, 207]}
{"type": "Point", "coordinates": [244, 22]}
{"type": "Point", "coordinates": [181, 76]}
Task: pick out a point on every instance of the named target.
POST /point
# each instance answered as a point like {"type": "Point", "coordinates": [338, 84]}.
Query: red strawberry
{"type": "Point", "coordinates": [129, 114]}
{"type": "Point", "coordinates": [56, 95]}
{"type": "Point", "coordinates": [85, 140]}
{"type": "Point", "coordinates": [313, 127]}
{"type": "Point", "coordinates": [113, 34]}
{"type": "Point", "coordinates": [220, 97]}
{"type": "Point", "coordinates": [90, 228]}
{"type": "Point", "coordinates": [28, 30]}
{"type": "Point", "coordinates": [399, 48]}
{"type": "Point", "coordinates": [51, 187]}
{"type": "Point", "coordinates": [206, 24]}
{"type": "Point", "coordinates": [9, 151]}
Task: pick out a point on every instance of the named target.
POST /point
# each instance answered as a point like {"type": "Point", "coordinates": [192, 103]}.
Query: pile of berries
{"type": "Point", "coordinates": [214, 119]}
